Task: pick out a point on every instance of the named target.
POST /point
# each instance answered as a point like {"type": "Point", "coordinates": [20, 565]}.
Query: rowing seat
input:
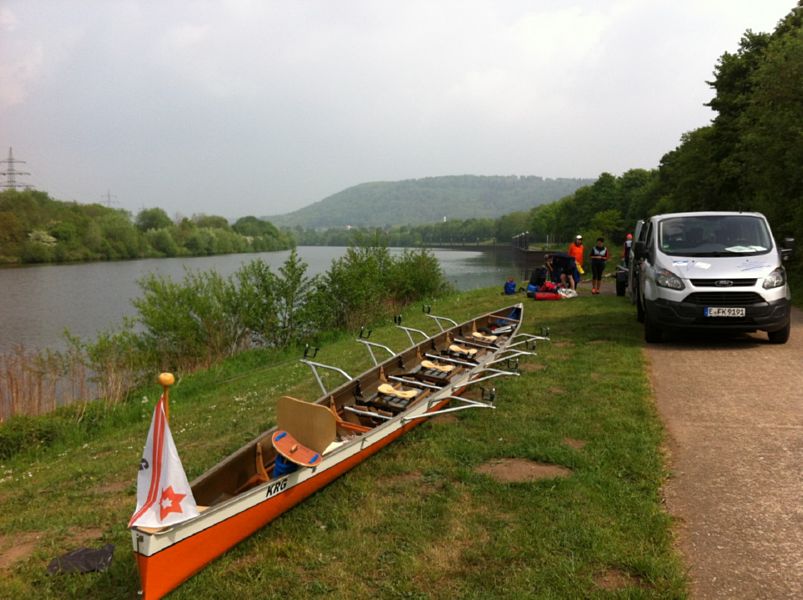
{"type": "Point", "coordinates": [489, 339]}
{"type": "Point", "coordinates": [388, 390]}
{"type": "Point", "coordinates": [461, 352]}
{"type": "Point", "coordinates": [432, 366]}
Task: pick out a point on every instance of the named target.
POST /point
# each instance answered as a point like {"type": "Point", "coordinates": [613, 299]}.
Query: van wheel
{"type": "Point", "coordinates": [781, 336]}
{"type": "Point", "coordinates": [639, 310]}
{"type": "Point", "coordinates": [652, 332]}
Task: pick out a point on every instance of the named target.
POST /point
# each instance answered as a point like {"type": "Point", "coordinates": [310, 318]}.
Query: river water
{"type": "Point", "coordinates": [37, 304]}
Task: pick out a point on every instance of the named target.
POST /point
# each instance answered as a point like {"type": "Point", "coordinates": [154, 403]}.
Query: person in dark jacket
{"type": "Point", "coordinates": [598, 256]}
{"type": "Point", "coordinates": [559, 263]}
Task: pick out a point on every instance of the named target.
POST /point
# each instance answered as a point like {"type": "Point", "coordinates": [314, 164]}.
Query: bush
{"type": "Point", "coordinates": [181, 326]}
{"type": "Point", "coordinates": [192, 323]}
{"type": "Point", "coordinates": [416, 275]}
{"type": "Point", "coordinates": [24, 433]}
{"type": "Point", "coordinates": [357, 286]}
{"type": "Point", "coordinates": [37, 252]}
{"type": "Point", "coordinates": [256, 301]}
{"type": "Point", "coordinates": [161, 241]}
{"type": "Point", "coordinates": [116, 360]}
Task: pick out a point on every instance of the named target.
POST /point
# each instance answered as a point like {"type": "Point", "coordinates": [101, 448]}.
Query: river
{"type": "Point", "coordinates": [38, 303]}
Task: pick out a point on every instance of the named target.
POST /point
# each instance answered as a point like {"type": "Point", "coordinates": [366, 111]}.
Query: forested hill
{"type": "Point", "coordinates": [35, 228]}
{"type": "Point", "coordinates": [429, 200]}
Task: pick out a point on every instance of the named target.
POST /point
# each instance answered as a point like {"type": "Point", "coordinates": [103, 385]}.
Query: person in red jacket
{"type": "Point", "coordinates": [576, 251]}
{"type": "Point", "coordinates": [599, 255]}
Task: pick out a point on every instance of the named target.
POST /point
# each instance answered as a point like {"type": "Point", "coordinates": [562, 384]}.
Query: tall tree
{"type": "Point", "coordinates": [152, 218]}
{"type": "Point", "coordinates": [771, 142]}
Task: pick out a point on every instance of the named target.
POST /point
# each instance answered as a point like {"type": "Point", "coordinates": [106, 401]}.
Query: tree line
{"type": "Point", "coordinates": [750, 157]}
{"type": "Point", "coordinates": [35, 228]}
{"type": "Point", "coordinates": [457, 232]}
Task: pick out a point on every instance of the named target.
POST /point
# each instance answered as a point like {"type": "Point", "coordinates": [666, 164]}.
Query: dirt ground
{"type": "Point", "coordinates": [733, 410]}
{"type": "Point", "coordinates": [512, 470]}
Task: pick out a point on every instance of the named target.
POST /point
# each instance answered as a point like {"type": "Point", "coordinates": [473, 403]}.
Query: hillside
{"type": "Point", "coordinates": [428, 200]}
{"type": "Point", "coordinates": [35, 228]}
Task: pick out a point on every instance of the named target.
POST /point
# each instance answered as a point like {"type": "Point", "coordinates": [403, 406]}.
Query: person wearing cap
{"type": "Point", "coordinates": [627, 251]}
{"type": "Point", "coordinates": [576, 251]}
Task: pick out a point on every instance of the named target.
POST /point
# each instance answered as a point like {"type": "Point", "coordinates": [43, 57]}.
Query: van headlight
{"type": "Point", "coordinates": [775, 279]}
{"type": "Point", "coordinates": [668, 279]}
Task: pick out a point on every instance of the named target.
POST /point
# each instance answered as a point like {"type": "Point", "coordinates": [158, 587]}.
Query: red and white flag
{"type": "Point", "coordinates": [164, 496]}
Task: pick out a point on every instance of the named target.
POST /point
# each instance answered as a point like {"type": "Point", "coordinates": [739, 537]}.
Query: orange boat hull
{"type": "Point", "coordinates": [162, 572]}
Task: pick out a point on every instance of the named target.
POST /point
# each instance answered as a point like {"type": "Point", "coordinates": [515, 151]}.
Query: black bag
{"type": "Point", "coordinates": [538, 276]}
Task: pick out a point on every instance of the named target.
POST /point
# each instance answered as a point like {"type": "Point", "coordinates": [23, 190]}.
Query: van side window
{"type": "Point", "coordinates": [642, 233]}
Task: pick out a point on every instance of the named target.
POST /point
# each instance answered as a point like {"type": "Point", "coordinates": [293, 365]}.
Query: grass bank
{"type": "Point", "coordinates": [417, 520]}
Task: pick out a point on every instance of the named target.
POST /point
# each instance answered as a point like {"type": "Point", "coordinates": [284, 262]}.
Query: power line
{"type": "Point", "coordinates": [11, 172]}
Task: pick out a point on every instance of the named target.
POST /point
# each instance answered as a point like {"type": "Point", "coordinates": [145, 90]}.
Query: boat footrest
{"type": "Point", "coordinates": [393, 404]}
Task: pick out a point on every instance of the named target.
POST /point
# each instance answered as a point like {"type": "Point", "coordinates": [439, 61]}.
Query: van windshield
{"type": "Point", "coordinates": [714, 235]}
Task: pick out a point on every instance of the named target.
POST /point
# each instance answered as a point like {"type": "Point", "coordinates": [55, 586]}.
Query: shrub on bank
{"type": "Point", "coordinates": [198, 321]}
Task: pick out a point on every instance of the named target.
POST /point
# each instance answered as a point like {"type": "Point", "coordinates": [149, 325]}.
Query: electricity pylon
{"type": "Point", "coordinates": [10, 173]}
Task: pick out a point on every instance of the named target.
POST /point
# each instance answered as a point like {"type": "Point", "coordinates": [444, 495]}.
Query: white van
{"type": "Point", "coordinates": [712, 270]}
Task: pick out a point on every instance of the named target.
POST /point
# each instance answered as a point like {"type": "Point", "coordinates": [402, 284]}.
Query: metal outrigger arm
{"type": "Point", "coordinates": [529, 340]}
{"type": "Point", "coordinates": [513, 353]}
{"type": "Point", "coordinates": [366, 413]}
{"type": "Point", "coordinates": [438, 319]}
{"type": "Point", "coordinates": [316, 365]}
{"type": "Point", "coordinates": [493, 374]}
{"type": "Point", "coordinates": [454, 361]}
{"type": "Point", "coordinates": [371, 345]}
{"type": "Point", "coordinates": [468, 403]}
{"type": "Point", "coordinates": [409, 331]}
{"type": "Point", "coordinates": [415, 382]}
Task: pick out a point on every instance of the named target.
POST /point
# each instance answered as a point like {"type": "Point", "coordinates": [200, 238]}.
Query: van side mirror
{"type": "Point", "coordinates": [788, 248]}
{"type": "Point", "coordinates": [640, 249]}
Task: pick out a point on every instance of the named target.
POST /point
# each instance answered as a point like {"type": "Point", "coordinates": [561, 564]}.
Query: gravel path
{"type": "Point", "coordinates": [733, 410]}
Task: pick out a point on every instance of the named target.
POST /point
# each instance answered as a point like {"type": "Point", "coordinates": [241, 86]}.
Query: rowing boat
{"type": "Point", "coordinates": [324, 439]}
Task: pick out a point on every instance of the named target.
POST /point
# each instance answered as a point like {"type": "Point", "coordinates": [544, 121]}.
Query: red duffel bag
{"type": "Point", "coordinates": [548, 296]}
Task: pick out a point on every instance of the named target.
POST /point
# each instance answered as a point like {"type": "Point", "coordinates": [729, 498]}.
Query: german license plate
{"type": "Point", "coordinates": [724, 311]}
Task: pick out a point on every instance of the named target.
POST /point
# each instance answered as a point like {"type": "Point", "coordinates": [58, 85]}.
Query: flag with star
{"type": "Point", "coordinates": [164, 496]}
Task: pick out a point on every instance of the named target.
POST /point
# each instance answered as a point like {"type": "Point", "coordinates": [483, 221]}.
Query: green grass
{"type": "Point", "coordinates": [416, 520]}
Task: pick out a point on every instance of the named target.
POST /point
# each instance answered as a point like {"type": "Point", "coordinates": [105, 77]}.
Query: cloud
{"type": "Point", "coordinates": [8, 20]}
{"type": "Point", "coordinates": [18, 73]}
{"type": "Point", "coordinates": [31, 49]}
{"type": "Point", "coordinates": [273, 104]}
{"type": "Point", "coordinates": [187, 36]}
{"type": "Point", "coordinates": [18, 68]}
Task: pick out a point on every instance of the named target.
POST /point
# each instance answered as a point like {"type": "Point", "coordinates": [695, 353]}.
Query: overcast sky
{"type": "Point", "coordinates": [260, 107]}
